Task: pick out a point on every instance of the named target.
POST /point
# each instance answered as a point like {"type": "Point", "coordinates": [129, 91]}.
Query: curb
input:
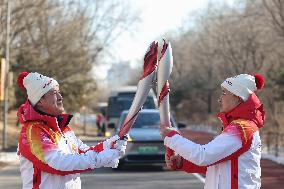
{"type": "Point", "coordinates": [9, 157]}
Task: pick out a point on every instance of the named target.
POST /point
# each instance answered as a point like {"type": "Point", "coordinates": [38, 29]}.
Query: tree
{"type": "Point", "coordinates": [227, 41]}
{"type": "Point", "coordinates": [65, 40]}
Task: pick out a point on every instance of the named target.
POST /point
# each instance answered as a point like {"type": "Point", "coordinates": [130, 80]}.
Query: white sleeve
{"type": "Point", "coordinates": [61, 161]}
{"type": "Point", "coordinates": [203, 155]}
{"type": "Point", "coordinates": [70, 162]}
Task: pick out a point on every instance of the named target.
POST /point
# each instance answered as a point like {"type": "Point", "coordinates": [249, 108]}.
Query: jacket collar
{"type": "Point", "coordinates": [252, 109]}
{"type": "Point", "coordinates": [27, 113]}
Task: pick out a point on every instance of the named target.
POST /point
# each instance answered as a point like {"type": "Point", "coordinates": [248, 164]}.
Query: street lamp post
{"type": "Point", "coordinates": [84, 113]}
{"type": "Point", "coordinates": [84, 121]}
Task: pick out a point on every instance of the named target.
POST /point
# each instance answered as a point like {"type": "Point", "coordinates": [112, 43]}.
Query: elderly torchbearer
{"type": "Point", "coordinates": [51, 156]}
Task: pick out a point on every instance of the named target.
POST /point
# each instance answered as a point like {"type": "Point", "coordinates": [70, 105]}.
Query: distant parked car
{"type": "Point", "coordinates": [121, 99]}
{"type": "Point", "coordinates": [145, 145]}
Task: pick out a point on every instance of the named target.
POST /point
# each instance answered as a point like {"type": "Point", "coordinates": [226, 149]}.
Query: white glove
{"type": "Point", "coordinates": [120, 145]}
{"type": "Point", "coordinates": [108, 142]}
{"type": "Point", "coordinates": [107, 158]}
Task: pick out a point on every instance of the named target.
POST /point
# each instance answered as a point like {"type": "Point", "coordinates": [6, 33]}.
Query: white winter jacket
{"type": "Point", "coordinates": [218, 176]}
{"type": "Point", "coordinates": [51, 156]}
{"type": "Point", "coordinates": [232, 159]}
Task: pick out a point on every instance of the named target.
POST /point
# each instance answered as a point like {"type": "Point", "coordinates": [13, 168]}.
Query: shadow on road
{"type": "Point", "coordinates": [140, 168]}
{"type": "Point", "coordinates": [130, 169]}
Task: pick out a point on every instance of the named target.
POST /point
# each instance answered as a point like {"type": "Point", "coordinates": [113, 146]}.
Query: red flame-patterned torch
{"type": "Point", "coordinates": [144, 85]}
{"type": "Point", "coordinates": [164, 70]}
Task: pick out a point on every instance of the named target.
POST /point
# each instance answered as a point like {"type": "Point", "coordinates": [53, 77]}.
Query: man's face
{"type": "Point", "coordinates": [52, 102]}
{"type": "Point", "coordinates": [228, 101]}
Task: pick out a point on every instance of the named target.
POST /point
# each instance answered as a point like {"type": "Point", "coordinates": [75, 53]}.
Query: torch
{"type": "Point", "coordinates": [164, 70]}
{"type": "Point", "coordinates": [143, 88]}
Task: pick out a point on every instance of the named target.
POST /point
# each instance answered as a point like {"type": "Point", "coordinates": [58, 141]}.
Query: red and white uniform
{"type": "Point", "coordinates": [51, 156]}
{"type": "Point", "coordinates": [232, 159]}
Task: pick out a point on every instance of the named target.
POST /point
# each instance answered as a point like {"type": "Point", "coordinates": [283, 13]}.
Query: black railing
{"type": "Point", "coordinates": [273, 143]}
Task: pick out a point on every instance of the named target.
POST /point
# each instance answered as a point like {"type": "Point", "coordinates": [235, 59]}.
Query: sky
{"type": "Point", "coordinates": [157, 18]}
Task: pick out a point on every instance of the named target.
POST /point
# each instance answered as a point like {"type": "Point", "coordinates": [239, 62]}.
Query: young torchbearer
{"type": "Point", "coordinates": [232, 159]}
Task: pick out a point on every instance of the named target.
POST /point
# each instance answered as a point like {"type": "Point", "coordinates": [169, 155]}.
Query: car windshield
{"type": "Point", "coordinates": [144, 120]}
{"type": "Point", "coordinates": [123, 102]}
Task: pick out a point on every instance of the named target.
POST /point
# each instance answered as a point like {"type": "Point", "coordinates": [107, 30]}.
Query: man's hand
{"type": "Point", "coordinates": [174, 161]}
{"type": "Point", "coordinates": [120, 145]}
{"type": "Point", "coordinates": [110, 141]}
{"type": "Point", "coordinates": [107, 158]}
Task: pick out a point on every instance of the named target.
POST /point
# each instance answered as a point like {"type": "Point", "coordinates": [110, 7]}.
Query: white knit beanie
{"type": "Point", "coordinates": [36, 85]}
{"type": "Point", "coordinates": [244, 85]}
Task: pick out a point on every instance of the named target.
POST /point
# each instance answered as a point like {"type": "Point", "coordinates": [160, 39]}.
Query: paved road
{"type": "Point", "coordinates": [10, 177]}
{"type": "Point", "coordinates": [142, 177]}
{"type": "Point", "coordinates": [129, 178]}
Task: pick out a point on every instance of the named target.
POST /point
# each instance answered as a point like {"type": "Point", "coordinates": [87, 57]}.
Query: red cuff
{"type": "Point", "coordinates": [172, 133]}
{"type": "Point", "coordinates": [98, 148]}
{"type": "Point", "coordinates": [190, 167]}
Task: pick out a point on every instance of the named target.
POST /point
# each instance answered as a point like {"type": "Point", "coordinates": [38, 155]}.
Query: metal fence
{"type": "Point", "coordinates": [273, 143]}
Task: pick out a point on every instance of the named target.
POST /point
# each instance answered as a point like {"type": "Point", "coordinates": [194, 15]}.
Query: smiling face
{"type": "Point", "coordinates": [228, 101]}
{"type": "Point", "coordinates": [52, 102]}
